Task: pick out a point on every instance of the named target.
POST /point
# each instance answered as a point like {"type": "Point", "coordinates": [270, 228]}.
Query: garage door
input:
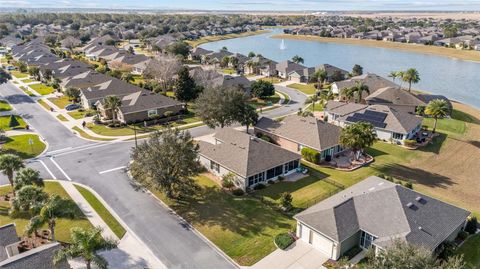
{"type": "Point", "coordinates": [322, 243]}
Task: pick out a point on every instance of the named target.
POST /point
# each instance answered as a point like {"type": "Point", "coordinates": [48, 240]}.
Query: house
{"type": "Point", "coordinates": [232, 81]}
{"type": "Point", "coordinates": [39, 258]}
{"type": "Point", "coordinates": [91, 94]}
{"type": "Point", "coordinates": [260, 65]}
{"type": "Point", "coordinates": [372, 81]}
{"type": "Point", "coordinates": [301, 75]}
{"type": "Point", "coordinates": [84, 80]}
{"type": "Point", "coordinates": [295, 133]}
{"type": "Point", "coordinates": [335, 110]}
{"type": "Point", "coordinates": [396, 98]}
{"type": "Point", "coordinates": [143, 105]}
{"type": "Point", "coordinates": [373, 214]}
{"type": "Point", "coordinates": [70, 42]}
{"type": "Point", "coordinates": [96, 53]}
{"type": "Point", "coordinates": [332, 72]}
{"type": "Point", "coordinates": [64, 68]}
{"type": "Point", "coordinates": [389, 123]}
{"type": "Point", "coordinates": [10, 41]}
{"type": "Point", "coordinates": [284, 68]}
{"type": "Point", "coordinates": [216, 57]}
{"type": "Point", "coordinates": [252, 160]}
{"type": "Point", "coordinates": [198, 54]}
{"type": "Point", "coordinates": [139, 68]}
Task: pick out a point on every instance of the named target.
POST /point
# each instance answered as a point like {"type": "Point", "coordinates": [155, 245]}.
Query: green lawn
{"type": "Point", "coordinates": [60, 102]}
{"type": "Point", "coordinates": [61, 117]}
{"type": "Point", "coordinates": [5, 106]}
{"type": "Point", "coordinates": [5, 120]}
{"type": "Point", "coordinates": [111, 221]}
{"type": "Point", "coordinates": [306, 89]}
{"type": "Point", "coordinates": [77, 114]}
{"type": "Point", "coordinates": [269, 101]}
{"type": "Point", "coordinates": [228, 71]}
{"type": "Point", "coordinates": [83, 134]}
{"type": "Point", "coordinates": [243, 227]}
{"type": "Point", "coordinates": [44, 104]}
{"type": "Point", "coordinates": [28, 92]}
{"type": "Point", "coordinates": [63, 226]}
{"type": "Point", "coordinates": [471, 251]}
{"type": "Point", "coordinates": [18, 144]}
{"type": "Point", "coordinates": [42, 89]}
{"type": "Point", "coordinates": [28, 80]}
{"type": "Point", "coordinates": [450, 126]}
{"type": "Point", "coordinates": [19, 74]}
{"type": "Point", "coordinates": [137, 79]}
{"type": "Point", "coordinates": [318, 107]}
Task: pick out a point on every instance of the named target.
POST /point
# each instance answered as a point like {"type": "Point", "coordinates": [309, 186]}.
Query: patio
{"type": "Point", "coordinates": [345, 161]}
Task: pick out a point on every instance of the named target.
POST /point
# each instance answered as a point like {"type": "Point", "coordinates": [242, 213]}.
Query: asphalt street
{"type": "Point", "coordinates": [101, 165]}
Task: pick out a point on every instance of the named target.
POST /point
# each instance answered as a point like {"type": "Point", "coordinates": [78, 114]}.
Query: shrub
{"type": "Point", "coordinates": [409, 185]}
{"type": "Point", "coordinates": [349, 254]}
{"type": "Point", "coordinates": [13, 122]}
{"type": "Point", "coordinates": [311, 155]}
{"type": "Point", "coordinates": [228, 181]}
{"type": "Point", "coordinates": [259, 186]}
{"type": "Point", "coordinates": [271, 182]}
{"type": "Point", "coordinates": [283, 240]}
{"type": "Point", "coordinates": [381, 176]}
{"type": "Point", "coordinates": [462, 235]}
{"type": "Point", "coordinates": [471, 226]}
{"type": "Point", "coordinates": [286, 201]}
{"type": "Point", "coordinates": [238, 192]}
{"type": "Point", "coordinates": [280, 178]}
{"type": "Point", "coordinates": [389, 178]}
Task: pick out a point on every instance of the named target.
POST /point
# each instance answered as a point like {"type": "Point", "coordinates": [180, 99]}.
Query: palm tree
{"type": "Point", "coordinates": [127, 77]}
{"type": "Point", "coordinates": [437, 109]}
{"type": "Point", "coordinates": [85, 244]}
{"type": "Point", "coordinates": [357, 136]}
{"type": "Point", "coordinates": [313, 99]}
{"type": "Point", "coordinates": [297, 59]}
{"type": "Point", "coordinates": [411, 76]}
{"type": "Point", "coordinates": [9, 164]}
{"type": "Point", "coordinates": [320, 76]}
{"type": "Point", "coordinates": [28, 176]}
{"type": "Point", "coordinates": [393, 75]}
{"type": "Point", "coordinates": [326, 96]}
{"type": "Point", "coordinates": [359, 89]}
{"type": "Point", "coordinates": [28, 199]}
{"type": "Point", "coordinates": [112, 103]}
{"type": "Point", "coordinates": [349, 93]}
{"type": "Point", "coordinates": [55, 207]}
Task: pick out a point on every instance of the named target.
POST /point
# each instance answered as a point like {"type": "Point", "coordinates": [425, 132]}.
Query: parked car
{"type": "Point", "coordinates": [10, 68]}
{"type": "Point", "coordinates": [71, 107]}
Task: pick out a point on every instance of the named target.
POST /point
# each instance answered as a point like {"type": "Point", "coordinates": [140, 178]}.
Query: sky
{"type": "Point", "coordinates": [268, 5]}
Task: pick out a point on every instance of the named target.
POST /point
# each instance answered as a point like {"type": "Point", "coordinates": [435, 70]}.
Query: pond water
{"type": "Point", "coordinates": [457, 79]}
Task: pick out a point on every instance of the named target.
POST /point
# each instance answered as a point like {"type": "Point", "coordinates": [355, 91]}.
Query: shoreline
{"type": "Point", "coordinates": [213, 38]}
{"type": "Point", "coordinates": [465, 55]}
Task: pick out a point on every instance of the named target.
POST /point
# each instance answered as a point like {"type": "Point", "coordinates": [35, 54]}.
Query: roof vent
{"type": "Point", "coordinates": [410, 205]}
{"type": "Point", "coordinates": [421, 200]}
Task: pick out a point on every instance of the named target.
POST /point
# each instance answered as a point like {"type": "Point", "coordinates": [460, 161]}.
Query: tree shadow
{"type": "Point", "coordinates": [245, 216]}
{"type": "Point", "coordinates": [436, 144]}
{"type": "Point", "coordinates": [463, 116]}
{"type": "Point", "coordinates": [418, 176]}
{"type": "Point", "coordinates": [119, 259]}
{"type": "Point", "coordinates": [474, 143]}
{"type": "Point", "coordinates": [375, 152]}
{"type": "Point", "coordinates": [16, 99]}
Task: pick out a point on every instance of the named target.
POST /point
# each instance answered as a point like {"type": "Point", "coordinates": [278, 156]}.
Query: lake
{"type": "Point", "coordinates": [457, 79]}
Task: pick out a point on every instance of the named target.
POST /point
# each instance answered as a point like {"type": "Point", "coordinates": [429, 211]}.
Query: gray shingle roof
{"type": "Point", "coordinates": [341, 108]}
{"type": "Point", "coordinates": [37, 258]}
{"type": "Point", "coordinates": [394, 95]}
{"type": "Point", "coordinates": [8, 236]}
{"type": "Point", "coordinates": [308, 131]}
{"type": "Point", "coordinates": [145, 100]}
{"type": "Point", "coordinates": [373, 81]}
{"type": "Point", "coordinates": [387, 211]}
{"type": "Point", "coordinates": [245, 154]}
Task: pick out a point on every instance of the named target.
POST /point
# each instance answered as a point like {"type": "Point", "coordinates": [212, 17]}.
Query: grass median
{"type": "Point", "coordinates": [5, 106]}
{"type": "Point", "coordinates": [19, 145]}
{"type": "Point", "coordinates": [85, 135]}
{"type": "Point", "coordinates": [106, 216]}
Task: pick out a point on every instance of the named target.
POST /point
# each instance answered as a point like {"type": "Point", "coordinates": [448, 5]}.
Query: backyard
{"type": "Point", "coordinates": [62, 230]}
{"type": "Point", "coordinates": [42, 89]}
{"type": "Point", "coordinates": [471, 251]}
{"type": "Point", "coordinates": [19, 145]}
{"type": "Point", "coordinates": [242, 227]}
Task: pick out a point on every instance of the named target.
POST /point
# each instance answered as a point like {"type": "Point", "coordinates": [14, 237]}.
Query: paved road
{"type": "Point", "coordinates": [101, 166]}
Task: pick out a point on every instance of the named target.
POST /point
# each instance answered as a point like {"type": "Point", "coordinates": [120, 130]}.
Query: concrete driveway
{"type": "Point", "coordinates": [299, 255]}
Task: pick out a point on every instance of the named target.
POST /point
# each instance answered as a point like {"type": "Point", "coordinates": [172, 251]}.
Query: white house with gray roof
{"type": "Point", "coordinates": [374, 213]}
{"type": "Point", "coordinates": [251, 159]}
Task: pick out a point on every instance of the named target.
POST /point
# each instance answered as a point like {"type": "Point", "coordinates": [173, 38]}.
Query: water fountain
{"type": "Point", "coordinates": [282, 45]}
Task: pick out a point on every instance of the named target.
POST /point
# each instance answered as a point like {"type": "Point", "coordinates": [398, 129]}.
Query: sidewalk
{"type": "Point", "coordinates": [131, 253]}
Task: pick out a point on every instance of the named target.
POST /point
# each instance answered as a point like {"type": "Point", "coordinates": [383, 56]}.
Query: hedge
{"type": "Point", "coordinates": [283, 240]}
{"type": "Point", "coordinates": [311, 155]}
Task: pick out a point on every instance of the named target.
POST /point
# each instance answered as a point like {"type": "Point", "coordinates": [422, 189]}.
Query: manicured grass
{"type": "Point", "coordinates": [137, 79]}
{"type": "Point", "coordinates": [28, 92]}
{"type": "Point", "coordinates": [307, 89]}
{"type": "Point", "coordinates": [18, 74]}
{"type": "Point", "coordinates": [18, 144]}
{"type": "Point", "coordinates": [42, 89]}
{"type": "Point", "coordinates": [44, 104]}
{"type": "Point", "coordinates": [228, 71]}
{"type": "Point", "coordinates": [28, 80]}
{"type": "Point", "coordinates": [61, 117]}
{"type": "Point", "coordinates": [83, 134]}
{"type": "Point", "coordinates": [77, 114]}
{"type": "Point", "coordinates": [60, 102]}
{"type": "Point", "coordinates": [195, 43]}
{"type": "Point", "coordinates": [273, 80]}
{"type": "Point", "coordinates": [243, 227]}
{"type": "Point", "coordinates": [452, 126]}
{"type": "Point", "coordinates": [5, 120]}
{"type": "Point", "coordinates": [111, 221]}
{"type": "Point", "coordinates": [63, 226]}
{"type": "Point", "coordinates": [471, 252]}
{"type": "Point", "coordinates": [269, 101]}
{"type": "Point", "coordinates": [318, 107]}
{"type": "Point", "coordinates": [5, 106]}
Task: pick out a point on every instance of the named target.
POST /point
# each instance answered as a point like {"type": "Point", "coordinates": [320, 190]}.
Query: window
{"type": "Point", "coordinates": [397, 136]}
{"type": "Point", "coordinates": [252, 180]}
{"type": "Point", "coordinates": [366, 240]}
{"type": "Point", "coordinates": [152, 112]}
{"type": "Point", "coordinates": [291, 166]}
{"type": "Point", "coordinates": [215, 166]}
